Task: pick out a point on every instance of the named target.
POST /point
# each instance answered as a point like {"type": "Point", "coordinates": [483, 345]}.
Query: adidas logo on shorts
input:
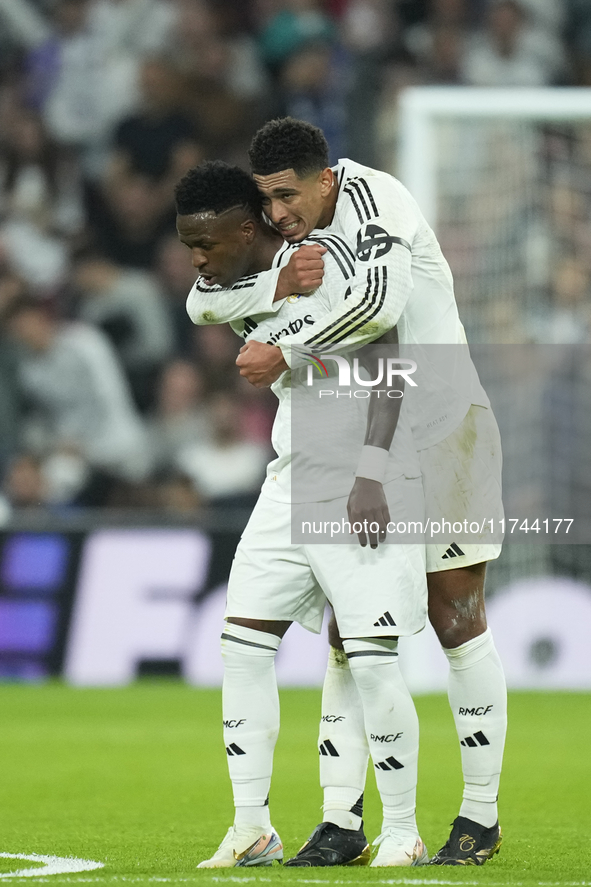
{"type": "Point", "coordinates": [386, 619]}
{"type": "Point", "coordinates": [454, 550]}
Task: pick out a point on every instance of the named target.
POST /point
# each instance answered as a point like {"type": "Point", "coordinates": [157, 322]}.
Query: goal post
{"type": "Point", "coordinates": [504, 178]}
{"type": "Point", "coordinates": [421, 107]}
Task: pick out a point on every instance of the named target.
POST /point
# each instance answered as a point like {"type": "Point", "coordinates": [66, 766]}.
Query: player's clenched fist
{"type": "Point", "coordinates": [261, 363]}
{"type": "Point", "coordinates": [303, 273]}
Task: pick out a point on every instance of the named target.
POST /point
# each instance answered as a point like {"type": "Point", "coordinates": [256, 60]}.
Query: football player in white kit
{"type": "Point", "coordinates": [377, 594]}
{"type": "Point", "coordinates": [402, 279]}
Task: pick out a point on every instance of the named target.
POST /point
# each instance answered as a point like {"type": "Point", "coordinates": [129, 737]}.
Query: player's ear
{"type": "Point", "coordinates": [248, 230]}
{"type": "Point", "coordinates": [326, 180]}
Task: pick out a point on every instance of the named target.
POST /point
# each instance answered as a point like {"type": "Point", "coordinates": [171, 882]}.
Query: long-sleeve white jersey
{"type": "Point", "coordinates": [329, 437]}
{"type": "Point", "coordinates": [401, 278]}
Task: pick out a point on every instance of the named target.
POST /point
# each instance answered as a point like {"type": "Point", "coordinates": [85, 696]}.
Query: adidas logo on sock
{"type": "Point", "coordinates": [327, 748]}
{"type": "Point", "coordinates": [474, 741]}
{"type": "Point", "coordinates": [357, 807]}
{"type": "Point", "coordinates": [389, 764]}
{"type": "Point", "coordinates": [234, 749]}
{"type": "Point", "coordinates": [386, 619]}
{"type": "Point", "coordinates": [454, 550]}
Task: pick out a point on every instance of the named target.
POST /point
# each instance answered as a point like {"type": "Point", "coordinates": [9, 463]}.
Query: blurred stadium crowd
{"type": "Point", "coordinates": [108, 395]}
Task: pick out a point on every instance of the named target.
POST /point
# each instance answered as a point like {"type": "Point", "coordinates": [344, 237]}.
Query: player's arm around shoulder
{"type": "Point", "coordinates": [249, 295]}
{"type": "Point", "coordinates": [301, 272]}
{"type": "Point", "coordinates": [381, 222]}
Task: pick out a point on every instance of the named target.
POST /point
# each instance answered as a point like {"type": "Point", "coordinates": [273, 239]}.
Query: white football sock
{"type": "Point", "coordinates": [342, 745]}
{"type": "Point", "coordinates": [478, 698]}
{"type": "Point", "coordinates": [391, 727]}
{"type": "Point", "coordinates": [250, 704]}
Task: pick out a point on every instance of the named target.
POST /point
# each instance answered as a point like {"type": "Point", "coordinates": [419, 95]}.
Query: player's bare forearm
{"type": "Point", "coordinates": [386, 399]}
{"type": "Point", "coordinates": [367, 502]}
{"type": "Point", "coordinates": [303, 273]}
{"type": "Point", "coordinates": [261, 364]}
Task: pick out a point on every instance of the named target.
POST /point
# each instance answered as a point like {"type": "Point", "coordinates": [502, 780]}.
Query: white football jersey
{"type": "Point", "coordinates": [329, 434]}
{"type": "Point", "coordinates": [401, 279]}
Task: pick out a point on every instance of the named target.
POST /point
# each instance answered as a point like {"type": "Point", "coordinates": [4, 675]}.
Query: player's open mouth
{"type": "Point", "coordinates": [289, 229]}
{"type": "Point", "coordinates": [208, 279]}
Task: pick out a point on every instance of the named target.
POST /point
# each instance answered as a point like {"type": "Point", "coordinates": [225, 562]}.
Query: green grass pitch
{"type": "Point", "coordinates": [136, 778]}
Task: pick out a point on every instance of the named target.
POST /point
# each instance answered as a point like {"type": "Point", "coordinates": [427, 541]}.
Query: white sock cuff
{"type": "Point", "coordinates": [486, 795]}
{"type": "Point", "coordinates": [468, 654]}
{"type": "Point", "coordinates": [362, 651]}
{"type": "Point", "coordinates": [341, 797]}
{"type": "Point", "coordinates": [252, 816]}
{"type": "Point", "coordinates": [251, 641]}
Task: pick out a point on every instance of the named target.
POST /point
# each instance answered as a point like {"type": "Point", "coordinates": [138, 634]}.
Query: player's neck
{"type": "Point", "coordinates": [265, 247]}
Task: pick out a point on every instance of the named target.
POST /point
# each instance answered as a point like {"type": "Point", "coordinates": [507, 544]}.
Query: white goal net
{"type": "Point", "coordinates": [504, 177]}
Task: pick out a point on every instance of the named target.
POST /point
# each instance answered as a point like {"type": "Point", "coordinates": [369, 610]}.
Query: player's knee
{"type": "Point", "coordinates": [456, 604]}
{"type": "Point", "coordinates": [364, 654]}
{"type": "Point", "coordinates": [459, 622]}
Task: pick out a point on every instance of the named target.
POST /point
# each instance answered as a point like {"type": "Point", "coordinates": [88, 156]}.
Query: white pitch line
{"type": "Point", "coordinates": [389, 881]}
{"type": "Point", "coordinates": [52, 865]}
{"type": "Point", "coordinates": [41, 873]}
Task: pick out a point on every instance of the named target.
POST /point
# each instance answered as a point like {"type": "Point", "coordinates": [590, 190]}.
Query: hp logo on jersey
{"type": "Point", "coordinates": [373, 243]}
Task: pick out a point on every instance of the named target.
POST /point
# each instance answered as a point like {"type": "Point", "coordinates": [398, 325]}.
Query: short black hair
{"type": "Point", "coordinates": [215, 186]}
{"type": "Point", "coordinates": [287, 143]}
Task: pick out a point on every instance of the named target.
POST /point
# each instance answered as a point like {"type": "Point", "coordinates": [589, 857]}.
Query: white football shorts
{"type": "Point", "coordinates": [462, 481]}
{"type": "Point", "coordinates": [380, 592]}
